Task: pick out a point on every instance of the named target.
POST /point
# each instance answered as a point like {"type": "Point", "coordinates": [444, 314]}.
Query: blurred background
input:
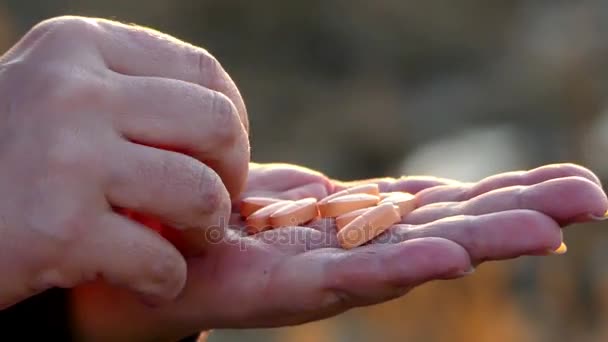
{"type": "Point", "coordinates": [459, 89]}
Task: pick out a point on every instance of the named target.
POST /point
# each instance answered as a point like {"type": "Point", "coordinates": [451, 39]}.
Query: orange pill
{"type": "Point", "coordinates": [562, 249]}
{"type": "Point", "coordinates": [371, 189]}
{"type": "Point", "coordinates": [405, 201]}
{"type": "Point", "coordinates": [384, 195]}
{"type": "Point", "coordinates": [347, 218]}
{"type": "Point", "coordinates": [260, 220]}
{"type": "Point", "coordinates": [296, 213]}
{"type": "Point", "coordinates": [347, 203]}
{"type": "Point", "coordinates": [369, 225]}
{"type": "Point", "coordinates": [343, 220]}
{"type": "Point", "coordinates": [249, 205]}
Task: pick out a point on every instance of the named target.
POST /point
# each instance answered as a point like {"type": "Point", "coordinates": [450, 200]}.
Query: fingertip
{"type": "Point", "coordinates": [585, 196]}
{"type": "Point", "coordinates": [163, 281]}
{"type": "Point", "coordinates": [594, 198]}
{"type": "Point", "coordinates": [601, 205]}
{"type": "Point", "coordinates": [129, 255]}
{"type": "Point", "coordinates": [516, 233]}
{"type": "Point", "coordinates": [570, 169]}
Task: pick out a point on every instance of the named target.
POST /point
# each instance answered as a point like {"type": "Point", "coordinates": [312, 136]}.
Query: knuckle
{"type": "Point", "coordinates": [54, 84]}
{"type": "Point", "coordinates": [62, 228]}
{"type": "Point", "coordinates": [534, 219]}
{"type": "Point", "coordinates": [55, 87]}
{"type": "Point", "coordinates": [69, 90]}
{"type": "Point", "coordinates": [66, 27]}
{"type": "Point", "coordinates": [209, 68]}
{"type": "Point", "coordinates": [211, 191]}
{"type": "Point", "coordinates": [469, 236]}
{"type": "Point", "coordinates": [70, 226]}
{"type": "Point", "coordinates": [66, 157]}
{"type": "Point", "coordinates": [228, 126]}
{"type": "Point", "coordinates": [215, 77]}
{"type": "Point", "coordinates": [203, 192]}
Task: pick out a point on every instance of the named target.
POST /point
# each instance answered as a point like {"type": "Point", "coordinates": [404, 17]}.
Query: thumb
{"type": "Point", "coordinates": [128, 254]}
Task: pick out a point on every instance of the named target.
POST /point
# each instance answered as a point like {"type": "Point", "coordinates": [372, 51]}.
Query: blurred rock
{"type": "Point", "coordinates": [471, 155]}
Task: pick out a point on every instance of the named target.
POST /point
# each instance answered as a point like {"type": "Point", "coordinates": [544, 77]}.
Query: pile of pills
{"type": "Point", "coordinates": [361, 213]}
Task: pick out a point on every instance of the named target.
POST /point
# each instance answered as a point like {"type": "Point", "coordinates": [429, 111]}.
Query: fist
{"type": "Point", "coordinates": [96, 118]}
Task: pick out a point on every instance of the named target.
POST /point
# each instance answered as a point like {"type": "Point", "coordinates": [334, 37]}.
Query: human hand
{"type": "Point", "coordinates": [85, 105]}
{"type": "Point", "coordinates": [294, 275]}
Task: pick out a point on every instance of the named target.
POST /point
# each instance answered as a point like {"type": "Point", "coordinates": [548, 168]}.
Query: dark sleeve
{"type": "Point", "coordinates": [192, 338]}
{"type": "Point", "coordinates": [43, 317]}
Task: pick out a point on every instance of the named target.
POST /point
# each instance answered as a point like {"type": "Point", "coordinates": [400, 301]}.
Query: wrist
{"type": "Point", "coordinates": [102, 313]}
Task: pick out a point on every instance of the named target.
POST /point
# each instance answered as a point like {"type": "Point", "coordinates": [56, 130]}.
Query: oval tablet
{"type": "Point", "coordinates": [562, 249]}
{"type": "Point", "coordinates": [249, 205]}
{"type": "Point", "coordinates": [384, 195]}
{"type": "Point", "coordinates": [369, 225]}
{"type": "Point", "coordinates": [371, 189]}
{"type": "Point", "coordinates": [405, 201]}
{"type": "Point", "coordinates": [260, 220]}
{"type": "Point", "coordinates": [345, 219]}
{"type": "Point", "coordinates": [347, 203]}
{"type": "Point", "coordinates": [296, 213]}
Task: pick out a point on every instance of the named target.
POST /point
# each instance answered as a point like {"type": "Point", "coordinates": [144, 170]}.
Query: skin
{"type": "Point", "coordinates": [125, 153]}
{"type": "Point", "coordinates": [85, 107]}
{"type": "Point", "coordinates": [295, 275]}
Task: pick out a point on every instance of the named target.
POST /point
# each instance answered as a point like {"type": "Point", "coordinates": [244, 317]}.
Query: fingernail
{"type": "Point", "coordinates": [562, 249]}
{"type": "Point", "coordinates": [598, 218]}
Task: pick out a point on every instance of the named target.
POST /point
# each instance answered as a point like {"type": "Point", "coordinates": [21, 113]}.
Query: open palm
{"type": "Point", "coordinates": [297, 274]}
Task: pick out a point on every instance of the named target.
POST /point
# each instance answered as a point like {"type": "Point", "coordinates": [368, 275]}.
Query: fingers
{"type": "Point", "coordinates": [316, 190]}
{"type": "Point", "coordinates": [139, 51]}
{"type": "Point", "coordinates": [284, 181]}
{"type": "Point", "coordinates": [372, 274]}
{"type": "Point", "coordinates": [563, 199]}
{"type": "Point", "coordinates": [494, 236]}
{"type": "Point", "coordinates": [278, 178]}
{"type": "Point", "coordinates": [465, 191]}
{"type": "Point", "coordinates": [328, 281]}
{"type": "Point", "coordinates": [178, 190]}
{"type": "Point", "coordinates": [184, 117]}
{"type": "Point", "coordinates": [411, 184]}
{"type": "Point", "coordinates": [415, 184]}
{"type": "Point", "coordinates": [127, 254]}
